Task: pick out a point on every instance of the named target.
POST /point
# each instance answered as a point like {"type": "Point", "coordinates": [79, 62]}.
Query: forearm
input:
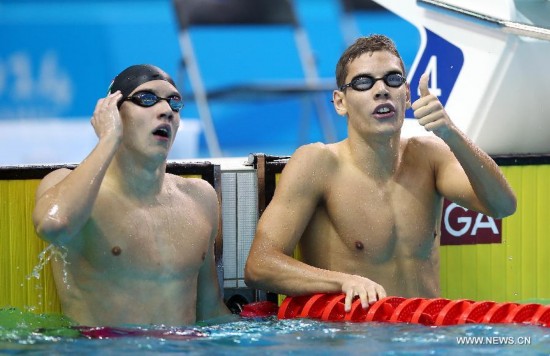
{"type": "Point", "coordinates": [63, 209]}
{"type": "Point", "coordinates": [489, 185]}
{"type": "Point", "coordinates": [283, 274]}
{"type": "Point", "coordinates": [486, 178]}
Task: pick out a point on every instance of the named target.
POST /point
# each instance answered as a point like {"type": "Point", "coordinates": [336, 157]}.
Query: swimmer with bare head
{"type": "Point", "coordinates": [139, 242]}
{"type": "Point", "coordinates": [366, 210]}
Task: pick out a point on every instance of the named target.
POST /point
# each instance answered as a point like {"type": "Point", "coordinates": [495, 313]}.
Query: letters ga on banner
{"type": "Point", "coordinates": [460, 226]}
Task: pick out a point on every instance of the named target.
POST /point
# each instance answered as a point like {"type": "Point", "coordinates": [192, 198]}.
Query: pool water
{"type": "Point", "coordinates": [55, 335]}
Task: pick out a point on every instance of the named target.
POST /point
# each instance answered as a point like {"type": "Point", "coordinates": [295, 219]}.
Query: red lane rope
{"type": "Point", "coordinates": [436, 311]}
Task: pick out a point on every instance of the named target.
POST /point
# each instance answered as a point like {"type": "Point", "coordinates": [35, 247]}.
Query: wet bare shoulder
{"type": "Point", "coordinates": [196, 188]}
{"type": "Point", "coordinates": [429, 147]}
{"type": "Point", "coordinates": [424, 141]}
{"type": "Point", "coordinates": [308, 171]}
{"type": "Point", "coordinates": [317, 156]}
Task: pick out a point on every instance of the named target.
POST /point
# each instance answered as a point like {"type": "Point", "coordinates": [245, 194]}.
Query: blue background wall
{"type": "Point", "coordinates": [57, 59]}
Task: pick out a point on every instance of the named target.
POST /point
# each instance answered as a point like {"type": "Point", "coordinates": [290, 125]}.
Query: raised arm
{"type": "Point", "coordinates": [64, 198]}
{"type": "Point", "coordinates": [270, 265]}
{"type": "Point", "coordinates": [466, 174]}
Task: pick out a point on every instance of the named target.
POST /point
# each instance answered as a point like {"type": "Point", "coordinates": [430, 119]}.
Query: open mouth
{"type": "Point", "coordinates": [162, 131]}
{"type": "Point", "coordinates": [384, 110]}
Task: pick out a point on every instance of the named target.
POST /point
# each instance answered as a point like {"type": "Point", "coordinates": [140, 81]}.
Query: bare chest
{"type": "Point", "coordinates": [383, 221]}
{"type": "Point", "coordinates": [124, 237]}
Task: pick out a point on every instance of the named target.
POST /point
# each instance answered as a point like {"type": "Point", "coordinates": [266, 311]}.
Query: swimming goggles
{"type": "Point", "coordinates": [394, 80]}
{"type": "Point", "coordinates": [147, 99]}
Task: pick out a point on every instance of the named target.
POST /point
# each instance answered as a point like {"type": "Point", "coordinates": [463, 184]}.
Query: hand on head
{"type": "Point", "coordinates": [106, 119]}
{"type": "Point", "coordinates": [430, 112]}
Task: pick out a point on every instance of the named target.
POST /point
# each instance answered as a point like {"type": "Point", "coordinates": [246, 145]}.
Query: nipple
{"type": "Point", "coordinates": [116, 251]}
{"type": "Point", "coordinates": [359, 245]}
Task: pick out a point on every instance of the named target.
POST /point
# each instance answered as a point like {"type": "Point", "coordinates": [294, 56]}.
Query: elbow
{"type": "Point", "coordinates": [506, 209]}
{"type": "Point", "coordinates": [511, 208]}
{"type": "Point", "coordinates": [262, 273]}
{"type": "Point", "coordinates": [49, 228]}
{"type": "Point", "coordinates": [257, 273]}
{"type": "Point", "coordinates": [252, 275]}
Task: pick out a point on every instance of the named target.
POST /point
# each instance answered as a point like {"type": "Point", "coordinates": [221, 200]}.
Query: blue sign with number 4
{"type": "Point", "coordinates": [442, 61]}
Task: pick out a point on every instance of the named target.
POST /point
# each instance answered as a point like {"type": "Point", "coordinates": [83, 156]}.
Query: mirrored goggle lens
{"type": "Point", "coordinates": [175, 104]}
{"type": "Point", "coordinates": [145, 99]}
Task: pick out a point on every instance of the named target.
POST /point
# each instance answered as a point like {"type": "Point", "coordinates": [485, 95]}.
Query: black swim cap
{"type": "Point", "coordinates": [133, 76]}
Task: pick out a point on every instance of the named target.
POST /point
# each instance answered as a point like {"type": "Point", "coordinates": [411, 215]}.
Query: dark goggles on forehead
{"type": "Point", "coordinates": [147, 99]}
{"type": "Point", "coordinates": [394, 80]}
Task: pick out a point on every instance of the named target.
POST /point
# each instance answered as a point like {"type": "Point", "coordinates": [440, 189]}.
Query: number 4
{"type": "Point", "coordinates": [431, 70]}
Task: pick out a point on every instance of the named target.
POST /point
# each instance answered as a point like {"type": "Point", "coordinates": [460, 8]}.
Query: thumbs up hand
{"type": "Point", "coordinates": [423, 85]}
{"type": "Point", "coordinates": [430, 112]}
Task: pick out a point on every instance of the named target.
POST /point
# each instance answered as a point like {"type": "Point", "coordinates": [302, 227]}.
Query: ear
{"type": "Point", "coordinates": [408, 104]}
{"type": "Point", "coordinates": [339, 101]}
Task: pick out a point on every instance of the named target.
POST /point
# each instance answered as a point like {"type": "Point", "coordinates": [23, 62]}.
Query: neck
{"type": "Point", "coordinates": [377, 155]}
{"type": "Point", "coordinates": [141, 179]}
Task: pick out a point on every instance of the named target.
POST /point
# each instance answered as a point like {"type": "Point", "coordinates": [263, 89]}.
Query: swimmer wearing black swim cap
{"type": "Point", "coordinates": [133, 76]}
{"type": "Point", "coordinates": [129, 225]}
